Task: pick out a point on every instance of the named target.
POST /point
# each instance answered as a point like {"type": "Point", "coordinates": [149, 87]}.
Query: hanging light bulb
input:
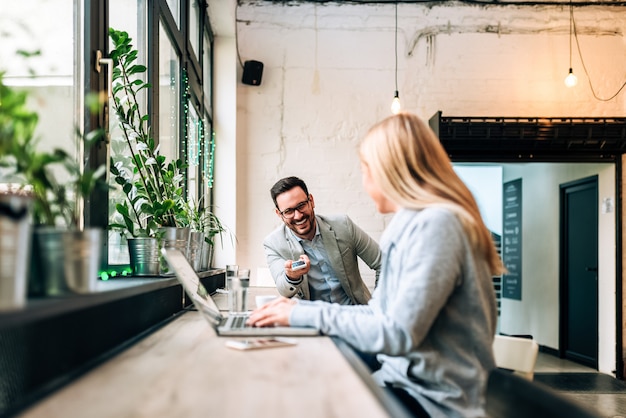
{"type": "Point", "coordinates": [571, 80]}
{"type": "Point", "coordinates": [396, 106]}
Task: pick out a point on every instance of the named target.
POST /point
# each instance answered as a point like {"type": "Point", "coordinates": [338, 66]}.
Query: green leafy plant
{"type": "Point", "coordinates": [83, 181]}
{"type": "Point", "coordinates": [152, 186]}
{"type": "Point", "coordinates": [55, 202]}
{"type": "Point", "coordinates": [17, 122]}
{"type": "Point", "coordinates": [204, 220]}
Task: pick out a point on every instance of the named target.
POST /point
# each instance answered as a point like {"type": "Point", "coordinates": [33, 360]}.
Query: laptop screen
{"type": "Point", "coordinates": [192, 285]}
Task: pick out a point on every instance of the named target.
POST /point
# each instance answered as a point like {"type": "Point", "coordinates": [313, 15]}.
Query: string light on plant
{"type": "Point", "coordinates": [211, 160]}
{"type": "Point", "coordinates": [185, 106]}
{"type": "Point", "coordinates": [204, 149]}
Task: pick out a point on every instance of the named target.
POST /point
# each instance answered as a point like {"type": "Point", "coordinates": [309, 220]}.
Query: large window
{"type": "Point", "coordinates": [194, 26]}
{"type": "Point", "coordinates": [130, 17]}
{"type": "Point", "coordinates": [169, 96]}
{"type": "Point", "coordinates": [41, 56]}
{"type": "Point", "coordinates": [55, 61]}
{"type": "Point", "coordinates": [177, 124]}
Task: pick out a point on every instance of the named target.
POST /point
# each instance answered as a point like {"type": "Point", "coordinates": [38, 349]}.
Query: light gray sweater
{"type": "Point", "coordinates": [432, 317]}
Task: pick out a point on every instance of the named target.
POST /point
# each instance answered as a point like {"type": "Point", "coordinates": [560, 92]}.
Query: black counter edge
{"type": "Point", "coordinates": [393, 406]}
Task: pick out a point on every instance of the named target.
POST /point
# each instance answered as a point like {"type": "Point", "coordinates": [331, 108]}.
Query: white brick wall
{"type": "Point", "coordinates": [329, 75]}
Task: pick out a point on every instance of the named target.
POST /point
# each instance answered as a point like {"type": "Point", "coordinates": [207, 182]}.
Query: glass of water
{"type": "Point", "coordinates": [231, 271]}
{"type": "Point", "coordinates": [238, 292]}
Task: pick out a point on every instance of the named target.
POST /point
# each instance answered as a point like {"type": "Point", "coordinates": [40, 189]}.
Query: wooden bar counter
{"type": "Point", "coordinates": [185, 369]}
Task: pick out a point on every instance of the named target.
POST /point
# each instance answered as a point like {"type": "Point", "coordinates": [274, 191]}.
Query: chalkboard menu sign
{"type": "Point", "coordinates": [512, 239]}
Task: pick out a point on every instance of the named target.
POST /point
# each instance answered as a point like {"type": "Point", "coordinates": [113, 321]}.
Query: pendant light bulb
{"type": "Point", "coordinates": [396, 106]}
{"type": "Point", "coordinates": [571, 80]}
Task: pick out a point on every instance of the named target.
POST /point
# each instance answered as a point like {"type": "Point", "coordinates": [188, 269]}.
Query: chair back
{"type": "Point", "coordinates": [517, 354]}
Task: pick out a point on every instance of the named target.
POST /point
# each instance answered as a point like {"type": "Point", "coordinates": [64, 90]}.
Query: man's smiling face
{"type": "Point", "coordinates": [297, 210]}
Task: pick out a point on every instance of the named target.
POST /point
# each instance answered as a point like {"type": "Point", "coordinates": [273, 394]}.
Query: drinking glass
{"type": "Point", "coordinates": [238, 292]}
{"type": "Point", "coordinates": [231, 271]}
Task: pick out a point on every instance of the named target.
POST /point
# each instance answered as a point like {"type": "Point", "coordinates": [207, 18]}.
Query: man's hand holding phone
{"type": "Point", "coordinates": [298, 265]}
{"type": "Point", "coordinates": [295, 269]}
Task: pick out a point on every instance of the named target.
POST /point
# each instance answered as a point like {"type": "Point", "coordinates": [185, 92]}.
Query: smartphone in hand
{"type": "Point", "coordinates": [298, 264]}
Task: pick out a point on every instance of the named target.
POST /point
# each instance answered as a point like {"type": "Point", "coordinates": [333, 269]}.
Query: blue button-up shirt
{"type": "Point", "coordinates": [323, 282]}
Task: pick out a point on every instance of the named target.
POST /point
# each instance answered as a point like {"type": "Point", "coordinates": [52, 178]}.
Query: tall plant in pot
{"type": "Point", "coordinates": [209, 229]}
{"type": "Point", "coordinates": [55, 182]}
{"type": "Point", "coordinates": [152, 186]}
{"type": "Point", "coordinates": [82, 246]}
{"type": "Point", "coordinates": [17, 126]}
{"type": "Point", "coordinates": [70, 252]}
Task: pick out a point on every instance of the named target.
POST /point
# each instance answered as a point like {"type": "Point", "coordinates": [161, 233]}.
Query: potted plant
{"type": "Point", "coordinates": [151, 185]}
{"type": "Point", "coordinates": [82, 247]}
{"type": "Point", "coordinates": [206, 227]}
{"type": "Point", "coordinates": [70, 252]}
{"type": "Point", "coordinates": [17, 125]}
{"type": "Point", "coordinates": [55, 182]}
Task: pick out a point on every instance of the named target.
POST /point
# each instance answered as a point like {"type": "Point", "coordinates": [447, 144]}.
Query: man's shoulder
{"type": "Point", "coordinates": [340, 222]}
{"type": "Point", "coordinates": [337, 219]}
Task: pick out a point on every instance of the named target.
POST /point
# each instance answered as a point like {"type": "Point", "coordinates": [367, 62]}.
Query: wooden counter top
{"type": "Point", "coordinates": [184, 369]}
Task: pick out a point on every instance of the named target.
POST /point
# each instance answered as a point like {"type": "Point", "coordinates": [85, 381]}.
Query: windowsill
{"type": "Point", "coordinates": [108, 291]}
{"type": "Point", "coordinates": [54, 339]}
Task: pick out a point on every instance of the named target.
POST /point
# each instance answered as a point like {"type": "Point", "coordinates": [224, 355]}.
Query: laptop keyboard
{"type": "Point", "coordinates": [239, 321]}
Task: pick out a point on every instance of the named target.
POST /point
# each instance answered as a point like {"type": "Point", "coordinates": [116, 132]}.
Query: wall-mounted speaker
{"type": "Point", "coordinates": [252, 73]}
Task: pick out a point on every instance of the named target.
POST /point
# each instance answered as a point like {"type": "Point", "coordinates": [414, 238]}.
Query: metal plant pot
{"type": "Point", "coordinates": [15, 239]}
{"type": "Point", "coordinates": [194, 253]}
{"type": "Point", "coordinates": [177, 238]}
{"type": "Point", "coordinates": [83, 251]}
{"type": "Point", "coordinates": [144, 256]}
{"type": "Point", "coordinates": [206, 258]}
{"type": "Point", "coordinates": [47, 276]}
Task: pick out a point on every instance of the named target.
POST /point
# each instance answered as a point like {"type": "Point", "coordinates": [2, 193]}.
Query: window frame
{"type": "Point", "coordinates": [96, 38]}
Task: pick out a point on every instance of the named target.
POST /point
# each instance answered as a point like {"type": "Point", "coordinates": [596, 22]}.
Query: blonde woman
{"type": "Point", "coordinates": [432, 318]}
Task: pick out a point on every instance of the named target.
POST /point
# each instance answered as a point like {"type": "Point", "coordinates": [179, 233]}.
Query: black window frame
{"type": "Point", "coordinates": [96, 39]}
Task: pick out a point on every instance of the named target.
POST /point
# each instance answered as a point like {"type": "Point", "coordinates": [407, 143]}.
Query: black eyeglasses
{"type": "Point", "coordinates": [291, 212]}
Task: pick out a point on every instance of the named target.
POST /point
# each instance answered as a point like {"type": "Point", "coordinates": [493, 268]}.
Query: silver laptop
{"type": "Point", "coordinates": [232, 325]}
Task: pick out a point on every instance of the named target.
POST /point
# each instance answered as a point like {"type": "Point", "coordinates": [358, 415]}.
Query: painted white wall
{"type": "Point", "coordinates": [329, 76]}
{"type": "Point", "coordinates": [538, 311]}
{"type": "Point", "coordinates": [607, 312]}
{"type": "Point", "coordinates": [485, 183]}
{"type": "Point", "coordinates": [225, 190]}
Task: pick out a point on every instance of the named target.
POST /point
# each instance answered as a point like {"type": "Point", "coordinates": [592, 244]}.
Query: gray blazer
{"type": "Point", "coordinates": [343, 240]}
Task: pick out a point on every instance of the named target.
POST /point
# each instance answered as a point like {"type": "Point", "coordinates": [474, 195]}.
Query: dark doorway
{"type": "Point", "coordinates": [579, 271]}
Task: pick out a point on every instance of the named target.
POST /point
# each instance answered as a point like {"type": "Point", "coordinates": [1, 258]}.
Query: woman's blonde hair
{"type": "Point", "coordinates": [410, 166]}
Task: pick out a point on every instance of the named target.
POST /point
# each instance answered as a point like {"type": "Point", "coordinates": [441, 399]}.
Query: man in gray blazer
{"type": "Point", "coordinates": [329, 246]}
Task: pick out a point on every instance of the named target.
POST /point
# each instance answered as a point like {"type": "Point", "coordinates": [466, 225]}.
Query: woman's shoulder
{"type": "Point", "coordinates": [430, 221]}
{"type": "Point", "coordinates": [437, 214]}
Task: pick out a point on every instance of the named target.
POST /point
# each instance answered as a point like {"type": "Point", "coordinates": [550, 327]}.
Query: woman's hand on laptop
{"type": "Point", "coordinates": [273, 314]}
